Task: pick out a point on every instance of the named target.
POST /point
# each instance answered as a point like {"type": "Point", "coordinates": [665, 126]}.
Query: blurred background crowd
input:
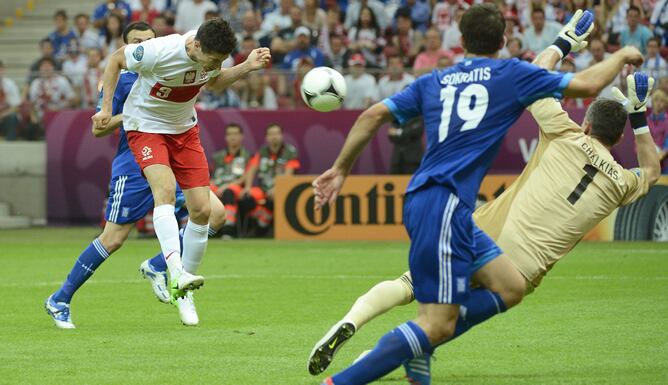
{"type": "Point", "coordinates": [380, 46]}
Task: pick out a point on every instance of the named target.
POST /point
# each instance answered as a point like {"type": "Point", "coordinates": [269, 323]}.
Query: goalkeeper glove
{"type": "Point", "coordinates": [572, 37]}
{"type": "Point", "coordinates": [639, 86]}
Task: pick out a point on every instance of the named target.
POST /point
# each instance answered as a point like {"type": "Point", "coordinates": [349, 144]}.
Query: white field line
{"type": "Point", "coordinates": [320, 277]}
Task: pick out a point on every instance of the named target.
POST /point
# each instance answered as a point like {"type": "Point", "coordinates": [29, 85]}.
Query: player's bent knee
{"type": "Point", "coordinates": [200, 214]}
{"type": "Point", "coordinates": [217, 218]}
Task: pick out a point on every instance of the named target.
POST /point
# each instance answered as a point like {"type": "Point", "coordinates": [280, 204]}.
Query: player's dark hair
{"type": "Point", "coordinates": [633, 8]}
{"type": "Point", "coordinates": [215, 35]}
{"type": "Point", "coordinates": [482, 28]}
{"type": "Point", "coordinates": [234, 125]}
{"type": "Point", "coordinates": [272, 125]}
{"type": "Point", "coordinates": [608, 119]}
{"type": "Point", "coordinates": [136, 26]}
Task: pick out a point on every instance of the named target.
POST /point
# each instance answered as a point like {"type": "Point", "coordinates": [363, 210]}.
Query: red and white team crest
{"type": "Point", "coordinates": [189, 77]}
{"type": "Point", "coordinates": [146, 153]}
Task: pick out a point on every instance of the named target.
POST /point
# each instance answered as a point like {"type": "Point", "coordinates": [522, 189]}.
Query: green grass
{"type": "Point", "coordinates": [599, 317]}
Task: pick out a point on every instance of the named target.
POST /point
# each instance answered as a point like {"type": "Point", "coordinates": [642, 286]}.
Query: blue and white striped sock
{"type": "Point", "coordinates": [403, 343]}
{"type": "Point", "coordinates": [89, 260]}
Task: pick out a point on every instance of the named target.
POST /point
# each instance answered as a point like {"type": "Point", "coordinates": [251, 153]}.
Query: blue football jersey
{"type": "Point", "coordinates": [467, 110]}
{"type": "Point", "coordinates": [124, 162]}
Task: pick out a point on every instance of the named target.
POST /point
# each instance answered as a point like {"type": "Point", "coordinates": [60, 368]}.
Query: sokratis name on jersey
{"type": "Point", "coordinates": [608, 168]}
{"type": "Point", "coordinates": [475, 75]}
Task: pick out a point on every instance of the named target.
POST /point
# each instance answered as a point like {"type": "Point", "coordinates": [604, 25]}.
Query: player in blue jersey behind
{"type": "Point", "coordinates": [467, 110]}
{"type": "Point", "coordinates": [130, 199]}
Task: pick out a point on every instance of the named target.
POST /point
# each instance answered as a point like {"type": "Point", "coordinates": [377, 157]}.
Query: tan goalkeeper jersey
{"type": "Point", "coordinates": [569, 185]}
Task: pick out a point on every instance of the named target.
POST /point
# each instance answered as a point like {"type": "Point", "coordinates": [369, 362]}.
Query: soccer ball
{"type": "Point", "coordinates": [323, 89]}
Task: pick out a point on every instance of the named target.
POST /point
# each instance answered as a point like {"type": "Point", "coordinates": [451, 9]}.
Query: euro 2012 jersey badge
{"type": "Point", "coordinates": [139, 53]}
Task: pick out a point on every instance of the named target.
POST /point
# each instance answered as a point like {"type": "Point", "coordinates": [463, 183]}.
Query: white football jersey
{"type": "Point", "coordinates": [162, 100]}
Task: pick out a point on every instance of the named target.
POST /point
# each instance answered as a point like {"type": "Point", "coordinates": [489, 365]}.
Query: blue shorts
{"type": "Point", "coordinates": [130, 199]}
{"type": "Point", "coordinates": [446, 245]}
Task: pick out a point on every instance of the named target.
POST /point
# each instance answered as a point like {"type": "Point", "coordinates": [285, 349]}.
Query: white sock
{"type": "Point", "coordinates": [195, 239]}
{"type": "Point", "coordinates": [167, 230]}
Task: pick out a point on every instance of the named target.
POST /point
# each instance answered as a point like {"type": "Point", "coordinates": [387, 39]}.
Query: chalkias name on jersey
{"type": "Point", "coordinates": [605, 166]}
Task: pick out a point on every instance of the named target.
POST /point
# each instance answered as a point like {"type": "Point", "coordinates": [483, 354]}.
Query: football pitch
{"type": "Point", "coordinates": [600, 317]}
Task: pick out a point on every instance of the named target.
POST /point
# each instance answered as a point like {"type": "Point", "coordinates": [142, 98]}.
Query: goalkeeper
{"type": "Point", "coordinates": [569, 185]}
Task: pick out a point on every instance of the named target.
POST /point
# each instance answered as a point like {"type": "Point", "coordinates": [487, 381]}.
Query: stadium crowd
{"type": "Point", "coordinates": [380, 46]}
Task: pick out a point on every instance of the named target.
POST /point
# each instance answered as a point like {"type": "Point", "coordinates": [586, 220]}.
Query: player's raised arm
{"type": "Point", "coordinates": [111, 73]}
{"type": "Point", "coordinates": [328, 185]}
{"type": "Point", "coordinates": [639, 87]}
{"type": "Point", "coordinates": [257, 59]}
{"type": "Point", "coordinates": [591, 81]}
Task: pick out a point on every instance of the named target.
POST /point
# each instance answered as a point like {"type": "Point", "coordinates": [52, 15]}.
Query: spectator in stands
{"type": "Point", "coordinates": [338, 53]}
{"type": "Point", "coordinates": [92, 78]}
{"type": "Point", "coordinates": [367, 38]}
{"type": "Point", "coordinates": [513, 49]}
{"type": "Point", "coordinates": [513, 28]}
{"type": "Point", "coordinates": [443, 14]}
{"type": "Point", "coordinates": [404, 40]}
{"type": "Point", "coordinates": [654, 65]}
{"type": "Point", "coordinates": [596, 52]}
{"type": "Point", "coordinates": [333, 27]}
{"type": "Point", "coordinates": [452, 38]}
{"type": "Point", "coordinates": [408, 149]}
{"type": "Point", "coordinates": [217, 95]}
{"type": "Point", "coordinates": [147, 13]}
{"type": "Point", "coordinates": [63, 36]}
{"type": "Point", "coordinates": [46, 48]}
{"type": "Point", "coordinates": [74, 66]}
{"type": "Point", "coordinates": [444, 62]}
{"type": "Point", "coordinates": [162, 27]}
{"type": "Point", "coordinates": [658, 124]}
{"type": "Point", "coordinates": [635, 34]}
{"type": "Point", "coordinates": [113, 33]}
{"type": "Point", "coordinates": [613, 18]}
{"type": "Point", "coordinates": [420, 13]}
{"type": "Point", "coordinates": [158, 5]}
{"type": "Point", "coordinates": [659, 20]}
{"type": "Point", "coordinates": [250, 26]}
{"type": "Point", "coordinates": [426, 60]}
{"type": "Point", "coordinates": [49, 91]}
{"type": "Point", "coordinates": [190, 14]}
{"type": "Point", "coordinates": [285, 40]}
{"type": "Point", "coordinates": [396, 79]}
{"type": "Point", "coordinates": [354, 12]}
{"type": "Point", "coordinates": [361, 86]}
{"type": "Point", "coordinates": [541, 33]}
{"type": "Point", "coordinates": [230, 165]}
{"type": "Point", "coordinates": [314, 17]}
{"type": "Point", "coordinates": [10, 99]}
{"type": "Point", "coordinates": [303, 48]}
{"type": "Point", "coordinates": [257, 93]}
{"type": "Point", "coordinates": [278, 19]}
{"type": "Point", "coordinates": [526, 14]}
{"type": "Point", "coordinates": [273, 159]}
{"type": "Point", "coordinates": [663, 84]}
{"type": "Point", "coordinates": [85, 36]}
{"type": "Point", "coordinates": [233, 12]}
{"type": "Point", "coordinates": [105, 9]}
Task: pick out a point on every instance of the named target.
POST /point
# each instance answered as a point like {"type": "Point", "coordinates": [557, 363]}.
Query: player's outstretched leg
{"type": "Point", "coordinates": [58, 304]}
{"type": "Point", "coordinates": [381, 298]}
{"type": "Point", "coordinates": [503, 288]}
